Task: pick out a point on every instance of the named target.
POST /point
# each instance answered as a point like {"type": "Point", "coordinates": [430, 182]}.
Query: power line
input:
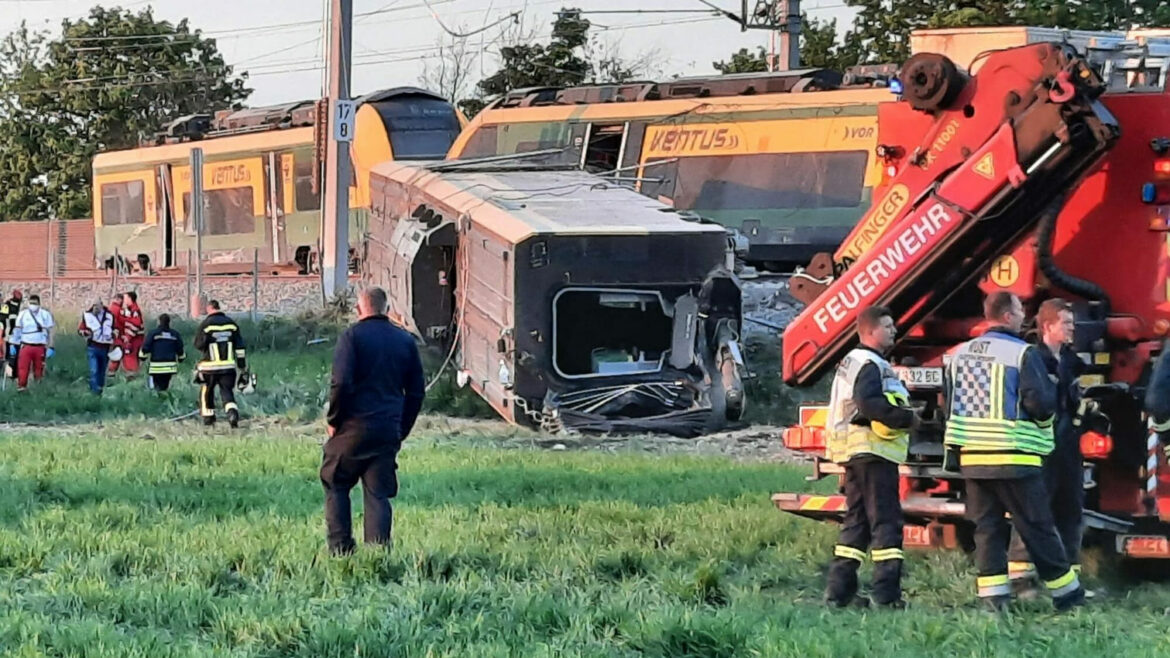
{"type": "Point", "coordinates": [246, 30]}
{"type": "Point", "coordinates": [308, 64]}
{"type": "Point", "coordinates": [463, 35]}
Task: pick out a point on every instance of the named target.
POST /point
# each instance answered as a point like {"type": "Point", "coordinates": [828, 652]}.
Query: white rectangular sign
{"type": "Point", "coordinates": [344, 119]}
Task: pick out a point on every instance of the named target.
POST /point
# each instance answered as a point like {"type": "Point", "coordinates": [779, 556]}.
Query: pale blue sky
{"type": "Point", "coordinates": [390, 47]}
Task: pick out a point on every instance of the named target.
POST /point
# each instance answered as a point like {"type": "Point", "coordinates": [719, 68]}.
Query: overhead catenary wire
{"type": "Point", "coordinates": [515, 16]}
{"type": "Point", "coordinates": [295, 66]}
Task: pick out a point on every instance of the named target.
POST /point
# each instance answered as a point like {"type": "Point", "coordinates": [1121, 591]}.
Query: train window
{"type": "Point", "coordinates": [303, 172]}
{"type": "Point", "coordinates": [481, 144]}
{"type": "Point", "coordinates": [513, 138]}
{"type": "Point", "coordinates": [829, 184]}
{"type": "Point", "coordinates": [604, 149]}
{"type": "Point", "coordinates": [123, 203]}
{"type": "Point", "coordinates": [420, 127]}
{"type": "Point", "coordinates": [227, 212]}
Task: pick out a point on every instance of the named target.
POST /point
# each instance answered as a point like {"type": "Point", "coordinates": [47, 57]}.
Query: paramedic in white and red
{"type": "Point", "coordinates": [97, 327]}
{"type": "Point", "coordinates": [35, 325]}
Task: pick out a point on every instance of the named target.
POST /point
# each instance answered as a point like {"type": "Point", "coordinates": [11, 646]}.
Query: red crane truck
{"type": "Point", "coordinates": [1047, 173]}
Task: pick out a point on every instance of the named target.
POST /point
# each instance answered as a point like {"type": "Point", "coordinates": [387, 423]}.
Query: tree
{"type": "Point", "coordinates": [819, 48]}
{"type": "Point", "coordinates": [108, 81]}
{"type": "Point", "coordinates": [449, 74]}
{"type": "Point", "coordinates": [744, 61]}
{"type": "Point", "coordinates": [571, 57]}
{"type": "Point", "coordinates": [555, 64]}
{"type": "Point", "coordinates": [881, 30]}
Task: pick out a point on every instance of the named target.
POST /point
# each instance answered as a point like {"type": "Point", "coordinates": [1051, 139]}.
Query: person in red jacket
{"type": "Point", "coordinates": [115, 309]}
{"type": "Point", "coordinates": [132, 333]}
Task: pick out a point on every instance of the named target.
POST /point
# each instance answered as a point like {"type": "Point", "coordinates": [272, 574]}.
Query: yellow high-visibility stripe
{"type": "Point", "coordinates": [996, 391]}
{"type": "Point", "coordinates": [885, 554]}
{"type": "Point", "coordinates": [1160, 427]}
{"type": "Point", "coordinates": [989, 581]}
{"type": "Point", "coordinates": [221, 366]}
{"type": "Point", "coordinates": [999, 460]}
{"type": "Point", "coordinates": [1064, 580]}
{"type": "Point", "coordinates": [203, 408]}
{"type": "Point", "coordinates": [220, 327]}
{"type": "Point", "coordinates": [230, 405]}
{"type": "Point", "coordinates": [849, 553]}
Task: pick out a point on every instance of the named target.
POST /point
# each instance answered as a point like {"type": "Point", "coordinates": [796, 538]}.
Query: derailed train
{"type": "Point", "coordinates": [564, 300]}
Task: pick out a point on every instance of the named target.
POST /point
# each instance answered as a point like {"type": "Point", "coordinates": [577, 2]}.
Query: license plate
{"type": "Point", "coordinates": [1144, 546]}
{"type": "Point", "coordinates": [920, 377]}
{"type": "Point", "coordinates": [918, 536]}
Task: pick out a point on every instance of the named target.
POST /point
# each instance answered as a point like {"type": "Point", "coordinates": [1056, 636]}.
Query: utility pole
{"type": "Point", "coordinates": [335, 241]}
{"type": "Point", "coordinates": [779, 16]}
{"type": "Point", "coordinates": [789, 55]}
{"type": "Point", "coordinates": [197, 217]}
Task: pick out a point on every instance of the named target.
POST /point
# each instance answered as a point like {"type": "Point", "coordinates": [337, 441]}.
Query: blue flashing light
{"type": "Point", "coordinates": [1149, 193]}
{"type": "Point", "coordinates": [895, 86]}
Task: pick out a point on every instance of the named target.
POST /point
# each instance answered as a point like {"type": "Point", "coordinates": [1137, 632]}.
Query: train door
{"type": "Point", "coordinates": [275, 206]}
{"type": "Point", "coordinates": [167, 214]}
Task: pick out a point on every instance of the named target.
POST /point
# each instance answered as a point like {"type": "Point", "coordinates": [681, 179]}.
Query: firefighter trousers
{"type": "Point", "coordinates": [1064, 480]}
{"type": "Point", "coordinates": [225, 381]}
{"type": "Point", "coordinates": [873, 519]}
{"type": "Point", "coordinates": [1026, 499]}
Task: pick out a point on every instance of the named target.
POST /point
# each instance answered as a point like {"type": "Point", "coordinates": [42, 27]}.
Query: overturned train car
{"type": "Point", "coordinates": [563, 300]}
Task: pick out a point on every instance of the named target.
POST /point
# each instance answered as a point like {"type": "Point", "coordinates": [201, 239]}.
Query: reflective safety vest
{"type": "Point", "coordinates": [221, 345]}
{"type": "Point", "coordinates": [987, 420]}
{"type": "Point", "coordinates": [847, 439]}
{"type": "Point", "coordinates": [165, 349]}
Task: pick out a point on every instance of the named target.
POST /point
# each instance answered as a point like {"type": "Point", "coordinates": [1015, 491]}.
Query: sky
{"type": "Point", "coordinates": [394, 39]}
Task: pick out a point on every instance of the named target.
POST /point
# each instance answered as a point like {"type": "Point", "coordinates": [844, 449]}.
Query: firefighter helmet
{"type": "Point", "coordinates": [246, 382]}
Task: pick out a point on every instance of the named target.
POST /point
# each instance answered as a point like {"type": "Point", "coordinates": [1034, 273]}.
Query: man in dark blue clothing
{"type": "Point", "coordinates": [164, 348]}
{"type": "Point", "coordinates": [374, 399]}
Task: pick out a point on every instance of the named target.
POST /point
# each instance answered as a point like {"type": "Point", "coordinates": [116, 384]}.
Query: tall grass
{"type": "Point", "coordinates": [292, 359]}
{"type": "Point", "coordinates": [194, 546]}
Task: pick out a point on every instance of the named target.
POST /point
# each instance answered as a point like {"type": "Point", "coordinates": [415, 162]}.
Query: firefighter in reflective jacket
{"type": "Point", "coordinates": [222, 347]}
{"type": "Point", "coordinates": [164, 348]}
{"type": "Point", "coordinates": [869, 423]}
{"type": "Point", "coordinates": [1001, 402]}
{"type": "Point", "coordinates": [1158, 398]}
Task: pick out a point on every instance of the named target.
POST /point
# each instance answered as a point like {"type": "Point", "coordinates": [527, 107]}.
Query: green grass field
{"type": "Point", "coordinates": [209, 544]}
{"type": "Point", "coordinates": [124, 533]}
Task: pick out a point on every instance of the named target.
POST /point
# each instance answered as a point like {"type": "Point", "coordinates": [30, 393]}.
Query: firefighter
{"type": "Point", "coordinates": [222, 348]}
{"type": "Point", "coordinates": [164, 348]}
{"type": "Point", "coordinates": [1063, 469]}
{"type": "Point", "coordinates": [1158, 398]}
{"type": "Point", "coordinates": [869, 419]}
{"type": "Point", "coordinates": [1001, 403]}
{"type": "Point", "coordinates": [8, 312]}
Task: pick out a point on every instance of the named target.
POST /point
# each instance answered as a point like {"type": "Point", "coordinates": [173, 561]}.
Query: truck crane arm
{"type": "Point", "coordinates": [1006, 143]}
